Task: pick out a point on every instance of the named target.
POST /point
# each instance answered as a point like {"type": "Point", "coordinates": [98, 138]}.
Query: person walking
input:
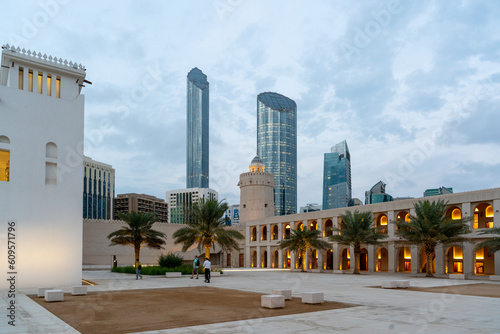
{"type": "Point", "coordinates": [207, 265]}
{"type": "Point", "coordinates": [196, 265]}
{"type": "Point", "coordinates": [138, 268]}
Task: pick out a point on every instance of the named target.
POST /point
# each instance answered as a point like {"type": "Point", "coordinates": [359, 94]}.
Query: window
{"type": "Point", "coordinates": [40, 82]}
{"type": "Point", "coordinates": [4, 159]}
{"type": "Point", "coordinates": [21, 78]}
{"type": "Point", "coordinates": [49, 85]}
{"type": "Point", "coordinates": [51, 163]}
{"type": "Point", "coordinates": [30, 80]}
{"type": "Point", "coordinates": [58, 87]}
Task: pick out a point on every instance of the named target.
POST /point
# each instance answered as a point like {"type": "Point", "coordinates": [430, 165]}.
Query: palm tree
{"type": "Point", "coordinates": [494, 243]}
{"type": "Point", "coordinates": [138, 232]}
{"type": "Point", "coordinates": [356, 229]}
{"type": "Point", "coordinates": [205, 226]}
{"type": "Point", "coordinates": [430, 227]}
{"type": "Point", "coordinates": [300, 240]}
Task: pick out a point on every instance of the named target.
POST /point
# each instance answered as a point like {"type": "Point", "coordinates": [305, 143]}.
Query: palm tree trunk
{"type": "Point", "coordinates": [304, 260]}
{"type": "Point", "coordinates": [137, 251]}
{"type": "Point", "coordinates": [428, 253]}
{"type": "Point", "coordinates": [357, 253]}
{"type": "Point", "coordinates": [207, 251]}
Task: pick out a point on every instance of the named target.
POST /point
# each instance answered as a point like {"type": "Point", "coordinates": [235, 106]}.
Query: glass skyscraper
{"type": "Point", "coordinates": [277, 147]}
{"type": "Point", "coordinates": [197, 130]}
{"type": "Point", "coordinates": [337, 177]}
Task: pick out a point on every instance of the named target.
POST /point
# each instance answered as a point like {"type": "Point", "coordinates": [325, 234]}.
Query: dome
{"type": "Point", "coordinates": [257, 160]}
{"type": "Point", "coordinates": [257, 165]}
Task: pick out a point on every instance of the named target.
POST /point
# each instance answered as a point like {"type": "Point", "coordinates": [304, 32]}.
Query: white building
{"type": "Point", "coordinates": [180, 201]}
{"type": "Point", "coordinates": [98, 189]}
{"type": "Point", "coordinates": [41, 144]}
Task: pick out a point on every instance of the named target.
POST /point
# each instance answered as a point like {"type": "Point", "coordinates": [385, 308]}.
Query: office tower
{"type": "Point", "coordinates": [180, 201]}
{"type": "Point", "coordinates": [197, 130]}
{"type": "Point", "coordinates": [438, 191]}
{"type": "Point", "coordinates": [98, 189]}
{"type": "Point", "coordinates": [41, 135]}
{"type": "Point", "coordinates": [141, 203]}
{"type": "Point", "coordinates": [377, 194]}
{"type": "Point", "coordinates": [337, 177]}
{"type": "Point", "coordinates": [277, 147]}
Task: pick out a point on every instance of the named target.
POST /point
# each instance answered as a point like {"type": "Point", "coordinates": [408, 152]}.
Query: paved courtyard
{"type": "Point", "coordinates": [379, 310]}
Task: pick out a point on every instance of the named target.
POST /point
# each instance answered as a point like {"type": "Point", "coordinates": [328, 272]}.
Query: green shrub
{"type": "Point", "coordinates": [156, 270]}
{"type": "Point", "coordinates": [170, 260]}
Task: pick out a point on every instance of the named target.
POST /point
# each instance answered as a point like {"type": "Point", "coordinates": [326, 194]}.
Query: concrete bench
{"type": "Point", "coordinates": [173, 274]}
{"type": "Point", "coordinates": [41, 291]}
{"type": "Point", "coordinates": [389, 284]}
{"type": "Point", "coordinates": [215, 274]}
{"type": "Point", "coordinates": [494, 278]}
{"type": "Point", "coordinates": [79, 290]}
{"type": "Point", "coordinates": [403, 284]}
{"type": "Point", "coordinates": [54, 295]}
{"type": "Point", "coordinates": [284, 292]}
{"type": "Point", "coordinates": [272, 301]}
{"type": "Point", "coordinates": [313, 298]}
{"type": "Point", "coordinates": [456, 276]}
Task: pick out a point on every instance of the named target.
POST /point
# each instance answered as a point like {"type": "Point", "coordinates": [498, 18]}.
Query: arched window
{"type": "Point", "coordinates": [51, 163]}
{"type": "Point", "coordinates": [4, 159]}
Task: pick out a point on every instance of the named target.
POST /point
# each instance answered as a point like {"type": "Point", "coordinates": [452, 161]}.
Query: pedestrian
{"type": "Point", "coordinates": [196, 265]}
{"type": "Point", "coordinates": [138, 268]}
{"type": "Point", "coordinates": [207, 265]}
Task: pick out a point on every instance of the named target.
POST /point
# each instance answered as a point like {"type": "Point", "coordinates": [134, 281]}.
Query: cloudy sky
{"type": "Point", "coordinates": [413, 86]}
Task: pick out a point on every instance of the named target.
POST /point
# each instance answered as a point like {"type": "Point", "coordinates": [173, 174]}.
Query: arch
{"type": "Point", "coordinates": [329, 259]}
{"type": "Point", "coordinates": [404, 259]}
{"type": "Point", "coordinates": [454, 263]}
{"type": "Point", "coordinates": [327, 230]}
{"type": "Point", "coordinates": [288, 259]}
{"type": "Point", "coordinates": [483, 216]}
{"type": "Point", "coordinates": [484, 262]}
{"type": "Point", "coordinates": [286, 231]}
{"type": "Point", "coordinates": [402, 216]}
{"type": "Point", "coordinates": [253, 234]}
{"type": "Point", "coordinates": [263, 259]}
{"type": "Point", "coordinates": [382, 259]}
{"type": "Point", "coordinates": [263, 235]}
{"type": "Point", "coordinates": [275, 262]}
{"type": "Point", "coordinates": [51, 150]}
{"type": "Point", "coordinates": [340, 224]}
{"type": "Point", "coordinates": [300, 226]}
{"type": "Point", "coordinates": [363, 260]}
{"type": "Point", "coordinates": [313, 225]}
{"type": "Point", "coordinates": [423, 261]}
{"type": "Point", "coordinates": [345, 259]}
{"type": "Point", "coordinates": [253, 263]}
{"type": "Point", "coordinates": [4, 139]}
{"type": "Point", "coordinates": [274, 232]}
{"type": "Point", "coordinates": [381, 222]}
{"type": "Point", "coordinates": [313, 259]}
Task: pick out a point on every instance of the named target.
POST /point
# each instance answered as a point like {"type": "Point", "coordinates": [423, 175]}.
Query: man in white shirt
{"type": "Point", "coordinates": [207, 265]}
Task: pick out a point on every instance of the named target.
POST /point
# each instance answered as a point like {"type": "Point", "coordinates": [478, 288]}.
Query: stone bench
{"type": "Point", "coordinates": [401, 284]}
{"type": "Point", "coordinates": [284, 292]}
{"type": "Point", "coordinates": [214, 274]}
{"type": "Point", "coordinates": [313, 298]}
{"type": "Point", "coordinates": [174, 274]}
{"type": "Point", "coordinates": [272, 301]}
{"type": "Point", "coordinates": [79, 290]}
{"type": "Point", "coordinates": [54, 295]}
{"type": "Point", "coordinates": [456, 276]}
{"type": "Point", "coordinates": [41, 291]}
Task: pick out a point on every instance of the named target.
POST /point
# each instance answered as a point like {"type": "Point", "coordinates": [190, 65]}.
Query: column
{"type": "Point", "coordinates": [390, 226]}
{"type": "Point", "coordinates": [391, 257]}
{"type": "Point", "coordinates": [321, 265]}
{"type": "Point", "coordinates": [280, 259]}
{"type": "Point", "coordinates": [307, 255]}
{"type": "Point", "coordinates": [414, 259]}
{"type": "Point", "coordinates": [467, 212]}
{"type": "Point", "coordinates": [336, 256]}
{"type": "Point", "coordinates": [468, 260]}
{"type": "Point", "coordinates": [496, 223]}
{"type": "Point", "coordinates": [321, 229]}
{"type": "Point", "coordinates": [292, 260]}
{"type": "Point", "coordinates": [439, 252]}
{"type": "Point", "coordinates": [258, 264]}
{"type": "Point", "coordinates": [371, 258]}
{"type": "Point", "coordinates": [269, 264]}
{"type": "Point", "coordinates": [352, 259]}
{"type": "Point", "coordinates": [268, 236]}
{"type": "Point", "coordinates": [248, 259]}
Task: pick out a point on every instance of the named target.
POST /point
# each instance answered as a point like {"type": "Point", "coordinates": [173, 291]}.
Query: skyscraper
{"type": "Point", "coordinates": [337, 177]}
{"type": "Point", "coordinates": [197, 130]}
{"type": "Point", "coordinates": [277, 147]}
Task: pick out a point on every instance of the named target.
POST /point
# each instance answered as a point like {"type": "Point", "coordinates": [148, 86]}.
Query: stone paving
{"type": "Point", "coordinates": [379, 310]}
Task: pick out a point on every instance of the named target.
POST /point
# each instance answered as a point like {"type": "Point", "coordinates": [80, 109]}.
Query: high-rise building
{"type": "Point", "coordinates": [377, 194]}
{"type": "Point", "coordinates": [98, 189]}
{"type": "Point", "coordinates": [277, 147]}
{"type": "Point", "coordinates": [141, 203]}
{"type": "Point", "coordinates": [180, 201]}
{"type": "Point", "coordinates": [337, 191]}
{"type": "Point", "coordinates": [232, 215]}
{"type": "Point", "coordinates": [197, 130]}
{"type": "Point", "coordinates": [438, 191]}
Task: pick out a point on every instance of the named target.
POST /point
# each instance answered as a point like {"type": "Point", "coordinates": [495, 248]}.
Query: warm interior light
{"type": "Point", "coordinates": [456, 214]}
{"type": "Point", "coordinates": [489, 211]}
{"type": "Point", "coordinates": [407, 218]}
{"type": "Point", "coordinates": [489, 224]}
{"type": "Point", "coordinates": [480, 254]}
{"type": "Point", "coordinates": [348, 254]}
{"type": "Point", "coordinates": [407, 253]}
{"type": "Point", "coordinates": [457, 253]}
{"type": "Point", "coordinates": [476, 210]}
{"type": "Point", "coordinates": [383, 220]}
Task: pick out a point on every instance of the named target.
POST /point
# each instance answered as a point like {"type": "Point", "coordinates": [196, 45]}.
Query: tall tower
{"type": "Point", "coordinates": [256, 192]}
{"type": "Point", "coordinates": [277, 146]}
{"type": "Point", "coordinates": [337, 177]}
{"type": "Point", "coordinates": [197, 130]}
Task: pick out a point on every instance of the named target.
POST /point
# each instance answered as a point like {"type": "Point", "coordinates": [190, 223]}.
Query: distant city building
{"type": "Point", "coordinates": [337, 177]}
{"type": "Point", "coordinates": [310, 208]}
{"type": "Point", "coordinates": [438, 191]}
{"type": "Point", "coordinates": [232, 215]}
{"type": "Point", "coordinates": [98, 189]}
{"type": "Point", "coordinates": [377, 194]}
{"type": "Point", "coordinates": [402, 198]}
{"type": "Point", "coordinates": [141, 203]}
{"type": "Point", "coordinates": [180, 201]}
{"type": "Point", "coordinates": [356, 202]}
{"type": "Point", "coordinates": [256, 192]}
{"type": "Point", "coordinates": [277, 146]}
{"type": "Point", "coordinates": [197, 130]}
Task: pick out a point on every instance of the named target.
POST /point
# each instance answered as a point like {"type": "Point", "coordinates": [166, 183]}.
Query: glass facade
{"type": "Point", "coordinates": [98, 190]}
{"type": "Point", "coordinates": [337, 191]}
{"type": "Point", "coordinates": [197, 130]}
{"type": "Point", "coordinates": [277, 147]}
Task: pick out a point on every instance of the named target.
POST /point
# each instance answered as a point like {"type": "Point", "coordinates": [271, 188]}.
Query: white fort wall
{"type": "Point", "coordinates": [43, 196]}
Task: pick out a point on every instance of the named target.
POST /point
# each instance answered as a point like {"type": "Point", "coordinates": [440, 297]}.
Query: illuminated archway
{"type": "Point", "coordinates": [423, 261]}
{"type": "Point", "coordinates": [404, 259]}
{"type": "Point", "coordinates": [254, 259]}
{"type": "Point", "coordinates": [381, 223]}
{"type": "Point", "coordinates": [313, 259]}
{"type": "Point", "coordinates": [263, 260]}
{"type": "Point", "coordinates": [484, 262]}
{"type": "Point", "coordinates": [345, 260]}
{"type": "Point", "coordinates": [275, 261]}
{"type": "Point", "coordinates": [402, 216]}
{"type": "Point", "coordinates": [286, 231]}
{"type": "Point", "coordinates": [327, 231]}
{"type": "Point", "coordinates": [382, 259]}
{"type": "Point", "coordinates": [253, 234]}
{"type": "Point", "coordinates": [483, 216]}
{"type": "Point", "coordinates": [329, 259]}
{"type": "Point", "coordinates": [263, 235]}
{"type": "Point", "coordinates": [274, 233]}
{"type": "Point", "coordinates": [313, 225]}
{"type": "Point", "coordinates": [363, 260]}
{"type": "Point", "coordinates": [454, 260]}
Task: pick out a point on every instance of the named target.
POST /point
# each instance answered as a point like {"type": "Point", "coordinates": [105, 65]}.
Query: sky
{"type": "Point", "coordinates": [412, 86]}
